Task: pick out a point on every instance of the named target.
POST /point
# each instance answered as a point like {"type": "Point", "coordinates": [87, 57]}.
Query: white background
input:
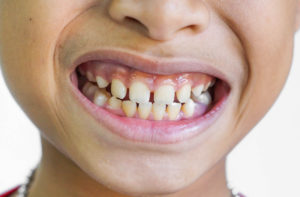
{"type": "Point", "coordinates": [265, 164]}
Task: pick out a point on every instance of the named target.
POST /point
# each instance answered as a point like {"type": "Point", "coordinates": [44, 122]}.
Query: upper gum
{"type": "Point", "coordinates": [151, 80]}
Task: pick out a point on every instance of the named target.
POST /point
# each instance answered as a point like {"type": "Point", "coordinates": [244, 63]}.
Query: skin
{"type": "Point", "coordinates": [39, 38]}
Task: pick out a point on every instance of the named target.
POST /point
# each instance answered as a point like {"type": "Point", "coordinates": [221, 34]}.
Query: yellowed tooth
{"type": "Point", "coordinates": [118, 89]}
{"type": "Point", "coordinates": [173, 110]}
{"type": "Point", "coordinates": [144, 110]}
{"type": "Point", "coordinates": [164, 94]}
{"type": "Point", "coordinates": [101, 97]}
{"type": "Point", "coordinates": [90, 76]}
{"type": "Point", "coordinates": [129, 108]}
{"type": "Point", "coordinates": [188, 108]}
{"type": "Point", "coordinates": [139, 92]}
{"type": "Point", "coordinates": [204, 98]}
{"type": "Point", "coordinates": [85, 87]}
{"type": "Point", "coordinates": [184, 93]}
{"type": "Point", "coordinates": [114, 103]}
{"type": "Point", "coordinates": [158, 111]}
{"type": "Point", "coordinates": [198, 90]}
{"type": "Point", "coordinates": [102, 83]}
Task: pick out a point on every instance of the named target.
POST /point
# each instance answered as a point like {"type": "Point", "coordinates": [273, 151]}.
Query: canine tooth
{"type": "Point", "coordinates": [129, 108]}
{"type": "Point", "coordinates": [139, 92]}
{"type": "Point", "coordinates": [144, 110]}
{"type": "Point", "coordinates": [114, 103]}
{"type": "Point", "coordinates": [198, 90]}
{"type": "Point", "coordinates": [184, 93]}
{"type": "Point", "coordinates": [158, 111]}
{"type": "Point", "coordinates": [90, 76]}
{"type": "Point", "coordinates": [173, 110]}
{"type": "Point", "coordinates": [188, 108]}
{"type": "Point", "coordinates": [102, 83]}
{"type": "Point", "coordinates": [204, 98]}
{"type": "Point", "coordinates": [164, 94]}
{"type": "Point", "coordinates": [118, 89]}
{"type": "Point", "coordinates": [101, 97]}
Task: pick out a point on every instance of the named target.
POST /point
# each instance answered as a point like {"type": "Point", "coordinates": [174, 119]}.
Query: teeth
{"type": "Point", "coordinates": [118, 89]}
{"type": "Point", "coordinates": [114, 103]}
{"type": "Point", "coordinates": [85, 88]}
{"type": "Point", "coordinates": [129, 108]}
{"type": "Point", "coordinates": [139, 92]}
{"type": "Point", "coordinates": [184, 93]}
{"type": "Point", "coordinates": [102, 83]}
{"type": "Point", "coordinates": [90, 76]}
{"type": "Point", "coordinates": [144, 110]}
{"type": "Point", "coordinates": [164, 94]}
{"type": "Point", "coordinates": [101, 96]}
{"type": "Point", "coordinates": [158, 111]}
{"type": "Point", "coordinates": [197, 90]}
{"type": "Point", "coordinates": [188, 108]}
{"type": "Point", "coordinates": [204, 98]}
{"type": "Point", "coordinates": [173, 110]}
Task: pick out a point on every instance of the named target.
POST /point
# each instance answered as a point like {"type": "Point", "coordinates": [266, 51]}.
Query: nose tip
{"type": "Point", "coordinates": [163, 20]}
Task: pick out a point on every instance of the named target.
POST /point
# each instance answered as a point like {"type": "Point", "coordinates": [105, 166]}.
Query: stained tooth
{"type": "Point", "coordinates": [90, 76]}
{"type": "Point", "coordinates": [101, 97]}
{"type": "Point", "coordinates": [198, 90]}
{"type": "Point", "coordinates": [204, 98]}
{"type": "Point", "coordinates": [158, 111]}
{"type": "Point", "coordinates": [139, 92]}
{"type": "Point", "coordinates": [184, 93]}
{"type": "Point", "coordinates": [102, 83]}
{"type": "Point", "coordinates": [188, 108]}
{"type": "Point", "coordinates": [129, 108]}
{"type": "Point", "coordinates": [114, 103]}
{"type": "Point", "coordinates": [118, 89]}
{"type": "Point", "coordinates": [164, 94]}
{"type": "Point", "coordinates": [173, 110]}
{"type": "Point", "coordinates": [144, 110]}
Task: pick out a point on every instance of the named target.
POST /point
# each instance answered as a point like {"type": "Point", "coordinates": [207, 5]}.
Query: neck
{"type": "Point", "coordinates": [57, 175]}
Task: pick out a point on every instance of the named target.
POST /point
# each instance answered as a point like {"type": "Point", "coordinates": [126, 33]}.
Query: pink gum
{"type": "Point", "coordinates": [111, 71]}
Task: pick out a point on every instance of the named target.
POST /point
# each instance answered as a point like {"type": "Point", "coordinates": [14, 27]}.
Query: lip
{"type": "Point", "coordinates": [137, 130]}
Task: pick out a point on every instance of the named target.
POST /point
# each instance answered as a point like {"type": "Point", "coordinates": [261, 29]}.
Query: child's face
{"type": "Point", "coordinates": [246, 45]}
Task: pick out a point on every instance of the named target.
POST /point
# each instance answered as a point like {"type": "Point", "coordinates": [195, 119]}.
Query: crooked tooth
{"type": "Point", "coordinates": [118, 89]}
{"type": "Point", "coordinates": [102, 83]}
{"type": "Point", "coordinates": [184, 93]}
{"type": "Point", "coordinates": [198, 90]}
{"type": "Point", "coordinates": [144, 110]}
{"type": "Point", "coordinates": [101, 97]}
{"type": "Point", "coordinates": [204, 98]}
{"type": "Point", "coordinates": [164, 94]}
{"type": "Point", "coordinates": [139, 92]}
{"type": "Point", "coordinates": [90, 76]}
{"type": "Point", "coordinates": [114, 103]}
{"type": "Point", "coordinates": [188, 108]}
{"type": "Point", "coordinates": [158, 111]}
{"type": "Point", "coordinates": [173, 110]}
{"type": "Point", "coordinates": [129, 108]}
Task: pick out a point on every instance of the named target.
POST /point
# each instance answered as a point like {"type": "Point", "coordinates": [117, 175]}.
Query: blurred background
{"type": "Point", "coordinates": [265, 164]}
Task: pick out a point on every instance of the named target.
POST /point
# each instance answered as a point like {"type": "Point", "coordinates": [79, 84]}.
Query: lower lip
{"type": "Point", "coordinates": [153, 132]}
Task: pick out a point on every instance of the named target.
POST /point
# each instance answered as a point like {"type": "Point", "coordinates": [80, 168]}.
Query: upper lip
{"type": "Point", "coordinates": [151, 64]}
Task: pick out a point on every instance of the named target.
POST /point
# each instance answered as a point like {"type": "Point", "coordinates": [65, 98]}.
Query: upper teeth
{"type": "Point", "coordinates": [166, 99]}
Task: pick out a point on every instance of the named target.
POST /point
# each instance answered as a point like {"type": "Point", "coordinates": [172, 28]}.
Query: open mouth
{"type": "Point", "coordinates": [148, 107]}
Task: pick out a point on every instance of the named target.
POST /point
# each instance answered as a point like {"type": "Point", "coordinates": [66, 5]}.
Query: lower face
{"type": "Point", "coordinates": [116, 101]}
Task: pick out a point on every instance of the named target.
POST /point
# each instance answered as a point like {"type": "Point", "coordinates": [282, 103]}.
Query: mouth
{"type": "Point", "coordinates": [149, 101]}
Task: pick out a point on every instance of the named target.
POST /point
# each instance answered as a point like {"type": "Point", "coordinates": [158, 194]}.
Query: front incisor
{"type": "Point", "coordinates": [158, 111]}
{"type": "Point", "coordinates": [139, 92]}
{"type": "Point", "coordinates": [118, 89]}
{"type": "Point", "coordinates": [144, 110]}
{"type": "Point", "coordinates": [164, 94]}
{"type": "Point", "coordinates": [129, 108]}
{"type": "Point", "coordinates": [184, 93]}
{"type": "Point", "coordinates": [173, 110]}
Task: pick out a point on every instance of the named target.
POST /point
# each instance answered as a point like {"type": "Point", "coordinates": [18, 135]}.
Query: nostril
{"type": "Point", "coordinates": [131, 20]}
